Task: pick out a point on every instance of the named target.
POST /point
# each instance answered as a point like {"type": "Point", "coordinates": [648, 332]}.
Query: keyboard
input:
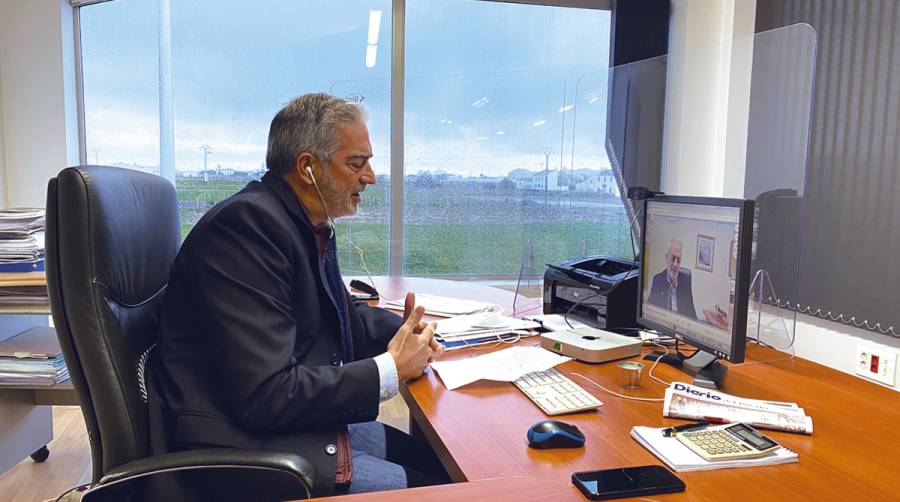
{"type": "Point", "coordinates": [556, 394]}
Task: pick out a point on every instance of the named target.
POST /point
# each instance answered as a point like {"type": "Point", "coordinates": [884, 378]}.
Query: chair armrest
{"type": "Point", "coordinates": [227, 473]}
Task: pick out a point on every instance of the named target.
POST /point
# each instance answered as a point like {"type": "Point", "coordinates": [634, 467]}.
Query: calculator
{"type": "Point", "coordinates": [728, 443]}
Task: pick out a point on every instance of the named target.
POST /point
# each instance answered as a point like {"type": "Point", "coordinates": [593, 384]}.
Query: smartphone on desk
{"type": "Point", "coordinates": [627, 482]}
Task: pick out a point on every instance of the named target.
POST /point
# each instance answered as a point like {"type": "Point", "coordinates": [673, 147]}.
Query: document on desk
{"type": "Point", "coordinates": [479, 329]}
{"type": "Point", "coordinates": [556, 322]}
{"type": "Point", "coordinates": [443, 306]}
{"type": "Point", "coordinates": [503, 366]}
{"type": "Point", "coordinates": [680, 458]}
{"type": "Point", "coordinates": [484, 322]}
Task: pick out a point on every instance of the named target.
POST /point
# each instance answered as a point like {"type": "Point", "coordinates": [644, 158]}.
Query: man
{"type": "Point", "coordinates": [671, 288]}
{"type": "Point", "coordinates": [260, 345]}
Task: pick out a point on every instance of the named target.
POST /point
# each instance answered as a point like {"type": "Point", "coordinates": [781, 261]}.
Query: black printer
{"type": "Point", "coordinates": [597, 290]}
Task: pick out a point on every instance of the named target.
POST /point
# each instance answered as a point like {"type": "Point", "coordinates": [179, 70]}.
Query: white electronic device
{"type": "Point", "coordinates": [591, 345]}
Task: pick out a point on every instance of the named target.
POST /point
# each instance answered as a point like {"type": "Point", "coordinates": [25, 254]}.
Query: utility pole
{"type": "Point", "coordinates": [206, 149]}
{"type": "Point", "coordinates": [547, 151]}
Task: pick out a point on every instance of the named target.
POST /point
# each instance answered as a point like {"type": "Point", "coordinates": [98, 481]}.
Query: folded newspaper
{"type": "Point", "coordinates": [694, 403]}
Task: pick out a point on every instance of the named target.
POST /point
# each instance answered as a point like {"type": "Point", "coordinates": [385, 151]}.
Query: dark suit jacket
{"type": "Point", "coordinates": [249, 341]}
{"type": "Point", "coordinates": [684, 295]}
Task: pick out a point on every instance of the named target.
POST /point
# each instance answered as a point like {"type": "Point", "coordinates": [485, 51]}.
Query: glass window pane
{"type": "Point", "coordinates": [496, 174]}
{"type": "Point", "coordinates": [121, 90]}
{"type": "Point", "coordinates": [234, 65]}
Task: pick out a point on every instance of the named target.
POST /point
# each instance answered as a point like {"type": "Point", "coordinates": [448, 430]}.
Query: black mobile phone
{"type": "Point", "coordinates": [627, 482]}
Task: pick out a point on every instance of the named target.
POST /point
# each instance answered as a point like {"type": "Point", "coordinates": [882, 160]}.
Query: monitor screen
{"type": "Point", "coordinates": [695, 259]}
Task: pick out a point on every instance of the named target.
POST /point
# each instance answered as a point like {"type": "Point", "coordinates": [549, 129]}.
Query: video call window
{"type": "Point", "coordinates": [690, 252]}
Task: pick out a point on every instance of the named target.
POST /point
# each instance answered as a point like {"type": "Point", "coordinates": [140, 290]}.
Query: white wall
{"type": "Point", "coordinates": [707, 97]}
{"type": "Point", "coordinates": [37, 97]}
{"type": "Point", "coordinates": [826, 342]}
{"type": "Point", "coordinates": [704, 151]}
{"type": "Point", "coordinates": [3, 202]}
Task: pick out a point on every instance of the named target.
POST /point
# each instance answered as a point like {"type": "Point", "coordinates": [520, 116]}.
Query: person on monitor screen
{"type": "Point", "coordinates": [260, 344]}
{"type": "Point", "coordinates": [671, 288]}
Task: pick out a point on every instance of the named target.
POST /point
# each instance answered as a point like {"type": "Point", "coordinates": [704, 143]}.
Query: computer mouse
{"type": "Point", "coordinates": [554, 434]}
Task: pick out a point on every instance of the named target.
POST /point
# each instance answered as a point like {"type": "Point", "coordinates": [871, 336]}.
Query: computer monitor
{"type": "Point", "coordinates": [695, 278]}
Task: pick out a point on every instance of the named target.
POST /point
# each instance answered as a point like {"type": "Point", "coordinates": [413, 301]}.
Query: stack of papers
{"type": "Point", "coordinates": [475, 329]}
{"type": "Point", "coordinates": [442, 306]}
{"type": "Point", "coordinates": [32, 358]}
{"type": "Point", "coordinates": [23, 288]}
{"type": "Point", "coordinates": [681, 459]}
{"type": "Point", "coordinates": [506, 365]}
{"type": "Point", "coordinates": [21, 240]}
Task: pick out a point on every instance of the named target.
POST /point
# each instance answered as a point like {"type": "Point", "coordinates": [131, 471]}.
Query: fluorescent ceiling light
{"type": "Point", "coordinates": [500, 133]}
{"type": "Point", "coordinates": [566, 108]}
{"type": "Point", "coordinates": [372, 45]}
{"type": "Point", "coordinates": [371, 54]}
{"type": "Point", "coordinates": [539, 123]}
{"type": "Point", "coordinates": [478, 103]}
{"type": "Point", "coordinates": [374, 26]}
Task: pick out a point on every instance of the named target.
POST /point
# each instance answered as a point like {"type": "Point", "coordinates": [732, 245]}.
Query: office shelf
{"type": "Point", "coordinates": [28, 308]}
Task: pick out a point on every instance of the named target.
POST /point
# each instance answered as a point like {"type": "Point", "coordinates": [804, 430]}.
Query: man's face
{"type": "Point", "coordinates": [349, 173]}
{"type": "Point", "coordinates": [673, 263]}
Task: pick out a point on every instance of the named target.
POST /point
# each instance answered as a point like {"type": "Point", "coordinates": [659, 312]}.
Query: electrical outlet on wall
{"type": "Point", "coordinates": [878, 364]}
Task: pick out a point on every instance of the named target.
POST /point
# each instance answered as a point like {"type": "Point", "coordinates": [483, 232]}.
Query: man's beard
{"type": "Point", "coordinates": [339, 203]}
{"type": "Point", "coordinates": [673, 277]}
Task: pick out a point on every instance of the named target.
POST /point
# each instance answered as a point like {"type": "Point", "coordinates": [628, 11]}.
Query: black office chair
{"type": "Point", "coordinates": [112, 235]}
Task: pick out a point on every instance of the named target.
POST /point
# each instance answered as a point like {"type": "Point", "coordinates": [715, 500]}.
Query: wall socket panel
{"type": "Point", "coordinates": [878, 364]}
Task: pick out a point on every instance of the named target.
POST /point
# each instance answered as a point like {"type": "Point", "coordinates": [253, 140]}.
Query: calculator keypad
{"type": "Point", "coordinates": [716, 445]}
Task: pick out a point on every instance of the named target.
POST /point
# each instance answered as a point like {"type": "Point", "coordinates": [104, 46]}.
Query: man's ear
{"type": "Point", "coordinates": [303, 168]}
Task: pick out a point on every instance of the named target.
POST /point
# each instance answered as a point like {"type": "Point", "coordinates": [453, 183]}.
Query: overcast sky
{"type": "Point", "coordinates": [489, 85]}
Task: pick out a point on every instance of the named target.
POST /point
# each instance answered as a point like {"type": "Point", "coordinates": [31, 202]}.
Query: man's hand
{"type": "Point", "coordinates": [408, 306]}
{"type": "Point", "coordinates": [414, 346]}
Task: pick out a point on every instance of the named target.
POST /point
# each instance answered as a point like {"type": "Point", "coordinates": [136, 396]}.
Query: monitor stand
{"type": "Point", "coordinates": [705, 367]}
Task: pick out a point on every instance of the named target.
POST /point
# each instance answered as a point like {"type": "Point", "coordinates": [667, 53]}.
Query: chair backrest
{"type": "Point", "coordinates": [112, 235]}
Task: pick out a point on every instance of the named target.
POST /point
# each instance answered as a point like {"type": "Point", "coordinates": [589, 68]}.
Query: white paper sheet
{"type": "Point", "coordinates": [444, 306]}
{"type": "Point", "coordinates": [484, 322]}
{"type": "Point", "coordinates": [504, 366]}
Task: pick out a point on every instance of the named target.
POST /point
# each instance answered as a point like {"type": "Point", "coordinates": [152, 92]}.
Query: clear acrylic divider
{"type": "Point", "coordinates": [773, 172]}
{"type": "Point", "coordinates": [775, 175]}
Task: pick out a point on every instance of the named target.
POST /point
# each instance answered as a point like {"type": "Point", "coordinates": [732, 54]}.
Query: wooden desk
{"type": "Point", "coordinates": [519, 489]}
{"type": "Point", "coordinates": [479, 430]}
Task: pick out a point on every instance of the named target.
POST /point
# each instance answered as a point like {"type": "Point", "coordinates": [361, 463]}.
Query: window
{"type": "Point", "coordinates": [232, 68]}
{"type": "Point", "coordinates": [504, 110]}
{"type": "Point", "coordinates": [491, 171]}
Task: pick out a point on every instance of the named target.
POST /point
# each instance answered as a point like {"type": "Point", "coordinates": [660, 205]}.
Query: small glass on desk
{"type": "Point", "coordinates": [630, 374]}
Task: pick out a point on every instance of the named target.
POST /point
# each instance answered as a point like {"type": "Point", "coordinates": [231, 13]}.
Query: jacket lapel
{"type": "Point", "coordinates": [283, 191]}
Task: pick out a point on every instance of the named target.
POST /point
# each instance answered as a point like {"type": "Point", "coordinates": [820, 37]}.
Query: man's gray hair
{"type": "Point", "coordinates": [309, 124]}
{"type": "Point", "coordinates": [675, 243]}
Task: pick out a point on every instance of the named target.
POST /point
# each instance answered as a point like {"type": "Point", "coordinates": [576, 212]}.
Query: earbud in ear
{"type": "Point", "coordinates": [309, 170]}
